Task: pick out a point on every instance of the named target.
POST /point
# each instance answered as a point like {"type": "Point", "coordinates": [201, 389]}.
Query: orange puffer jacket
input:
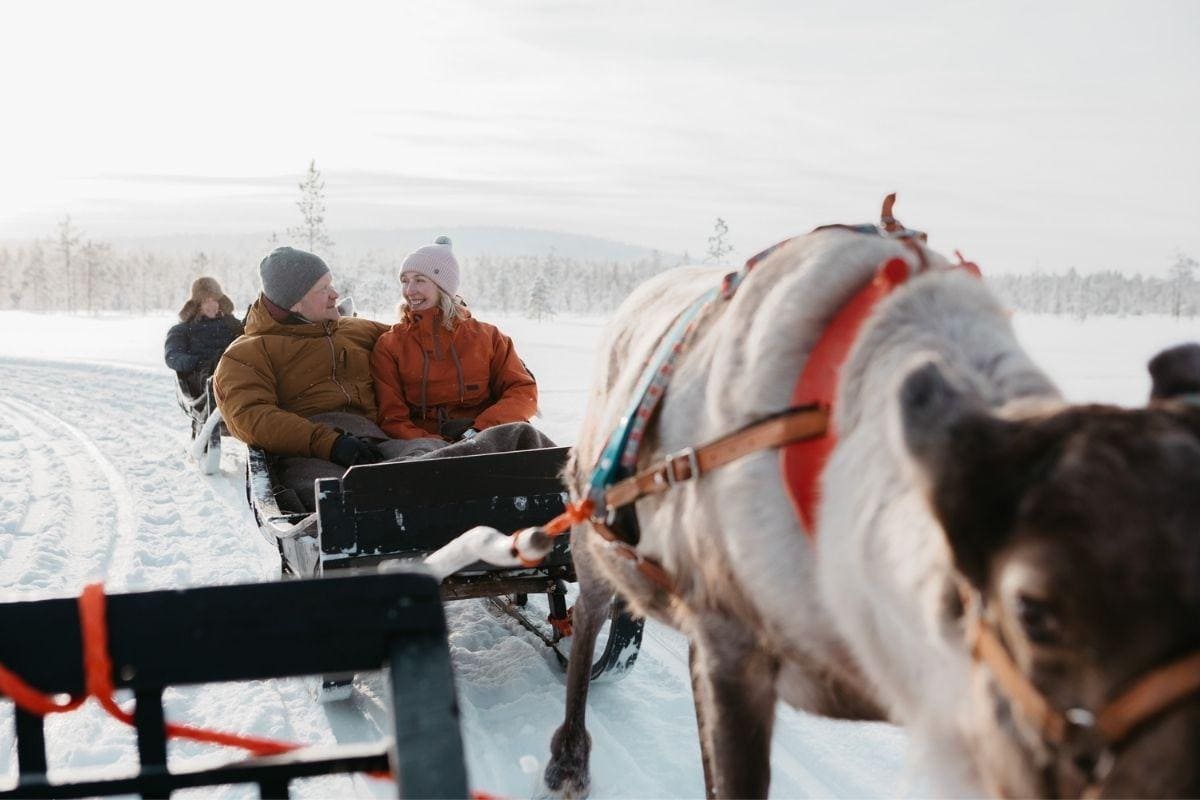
{"type": "Point", "coordinates": [276, 375]}
{"type": "Point", "coordinates": [425, 375]}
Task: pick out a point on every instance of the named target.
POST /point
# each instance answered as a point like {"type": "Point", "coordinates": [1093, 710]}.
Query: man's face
{"type": "Point", "coordinates": [320, 304]}
{"type": "Point", "coordinates": [209, 307]}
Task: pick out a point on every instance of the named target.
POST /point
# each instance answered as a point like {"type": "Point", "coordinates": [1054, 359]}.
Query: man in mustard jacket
{"type": "Point", "coordinates": [298, 382]}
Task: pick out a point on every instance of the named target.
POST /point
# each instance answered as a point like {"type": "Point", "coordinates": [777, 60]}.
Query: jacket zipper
{"type": "Point", "coordinates": [424, 380]}
{"type": "Point", "coordinates": [462, 387]}
{"type": "Point", "coordinates": [333, 370]}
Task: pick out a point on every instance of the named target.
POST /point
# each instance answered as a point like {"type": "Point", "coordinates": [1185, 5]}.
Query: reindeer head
{"type": "Point", "coordinates": [1076, 538]}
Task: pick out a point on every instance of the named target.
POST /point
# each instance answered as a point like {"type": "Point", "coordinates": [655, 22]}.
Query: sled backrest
{"type": "Point", "coordinates": [250, 632]}
{"type": "Point", "coordinates": [414, 507]}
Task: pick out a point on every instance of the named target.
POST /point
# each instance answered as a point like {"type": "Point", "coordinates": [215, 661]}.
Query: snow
{"type": "Point", "coordinates": [95, 483]}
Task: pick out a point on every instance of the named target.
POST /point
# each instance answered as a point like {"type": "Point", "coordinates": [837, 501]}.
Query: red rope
{"type": "Point", "coordinates": [30, 699]}
{"type": "Point", "coordinates": [98, 669]}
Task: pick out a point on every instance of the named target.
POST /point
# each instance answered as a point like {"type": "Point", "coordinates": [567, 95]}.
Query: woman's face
{"type": "Point", "coordinates": [209, 307]}
{"type": "Point", "coordinates": [420, 293]}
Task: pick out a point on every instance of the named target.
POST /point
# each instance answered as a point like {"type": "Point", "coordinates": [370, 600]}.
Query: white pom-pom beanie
{"type": "Point", "coordinates": [435, 261]}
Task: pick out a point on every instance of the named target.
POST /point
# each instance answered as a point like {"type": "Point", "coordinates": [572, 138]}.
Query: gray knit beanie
{"type": "Point", "coordinates": [288, 274]}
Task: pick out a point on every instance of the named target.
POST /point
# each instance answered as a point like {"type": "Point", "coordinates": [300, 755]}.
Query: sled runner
{"type": "Point", "coordinates": [207, 426]}
{"type": "Point", "coordinates": [393, 512]}
{"type": "Point", "coordinates": [242, 633]}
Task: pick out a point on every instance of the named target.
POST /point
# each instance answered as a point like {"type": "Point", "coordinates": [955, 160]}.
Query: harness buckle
{"type": "Point", "coordinates": [693, 464]}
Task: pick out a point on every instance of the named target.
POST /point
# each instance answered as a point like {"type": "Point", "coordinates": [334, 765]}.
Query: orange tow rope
{"type": "Point", "coordinates": [97, 666]}
{"type": "Point", "coordinates": [576, 512]}
{"type": "Point", "coordinates": [30, 699]}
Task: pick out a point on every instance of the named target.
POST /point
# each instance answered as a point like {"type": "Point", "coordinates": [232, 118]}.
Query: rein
{"type": "Point", "coordinates": [1095, 733]}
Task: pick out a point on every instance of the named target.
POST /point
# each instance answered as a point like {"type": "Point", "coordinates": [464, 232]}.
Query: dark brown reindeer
{"type": "Point", "coordinates": [1014, 579]}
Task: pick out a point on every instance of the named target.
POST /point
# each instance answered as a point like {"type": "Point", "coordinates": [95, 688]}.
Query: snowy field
{"type": "Point", "coordinates": [95, 484]}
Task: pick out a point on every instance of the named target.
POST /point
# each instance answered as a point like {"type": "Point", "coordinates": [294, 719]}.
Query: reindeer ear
{"type": "Point", "coordinates": [969, 464]}
{"type": "Point", "coordinates": [929, 402]}
{"type": "Point", "coordinates": [1175, 372]}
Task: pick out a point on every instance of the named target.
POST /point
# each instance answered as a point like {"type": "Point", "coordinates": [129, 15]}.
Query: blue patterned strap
{"type": "Point", "coordinates": [620, 452]}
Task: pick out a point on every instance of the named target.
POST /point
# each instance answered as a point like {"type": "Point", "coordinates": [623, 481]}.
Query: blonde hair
{"type": "Point", "coordinates": [449, 306]}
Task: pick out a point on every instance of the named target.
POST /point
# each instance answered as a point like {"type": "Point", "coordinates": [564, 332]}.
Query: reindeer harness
{"type": "Point", "coordinates": [803, 430]}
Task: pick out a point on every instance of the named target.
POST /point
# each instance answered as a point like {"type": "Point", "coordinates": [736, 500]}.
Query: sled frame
{"type": "Point", "coordinates": [393, 622]}
{"type": "Point", "coordinates": [401, 511]}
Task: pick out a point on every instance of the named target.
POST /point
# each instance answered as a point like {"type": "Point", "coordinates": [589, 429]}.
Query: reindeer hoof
{"type": "Point", "coordinates": [567, 773]}
{"type": "Point", "coordinates": [559, 783]}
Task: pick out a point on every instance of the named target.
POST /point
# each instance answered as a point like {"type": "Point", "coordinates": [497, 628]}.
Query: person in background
{"type": "Point", "coordinates": [441, 373]}
{"type": "Point", "coordinates": [206, 327]}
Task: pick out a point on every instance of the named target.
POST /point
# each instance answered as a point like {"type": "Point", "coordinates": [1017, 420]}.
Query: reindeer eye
{"type": "Point", "coordinates": [1038, 620]}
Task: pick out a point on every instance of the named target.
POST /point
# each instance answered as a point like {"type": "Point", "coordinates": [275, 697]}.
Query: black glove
{"type": "Point", "coordinates": [452, 430]}
{"type": "Point", "coordinates": [349, 450]}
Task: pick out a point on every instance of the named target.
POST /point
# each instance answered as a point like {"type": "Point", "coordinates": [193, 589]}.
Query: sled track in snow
{"type": "Point", "coordinates": [74, 498]}
{"type": "Point", "coordinates": [106, 452]}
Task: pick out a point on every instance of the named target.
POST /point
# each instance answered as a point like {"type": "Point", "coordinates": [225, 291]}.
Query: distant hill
{"type": "Point", "coordinates": [468, 242]}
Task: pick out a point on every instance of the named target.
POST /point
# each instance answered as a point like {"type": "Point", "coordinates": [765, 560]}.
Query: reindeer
{"type": "Point", "coordinates": [1014, 579]}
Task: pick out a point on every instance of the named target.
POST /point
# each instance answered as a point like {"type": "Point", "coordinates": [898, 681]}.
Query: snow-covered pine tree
{"type": "Point", "coordinates": [68, 238]}
{"type": "Point", "coordinates": [718, 244]}
{"type": "Point", "coordinates": [312, 233]}
{"type": "Point", "coordinates": [539, 299]}
{"type": "Point", "coordinates": [97, 261]}
{"type": "Point", "coordinates": [34, 277]}
{"type": "Point", "coordinates": [1182, 278]}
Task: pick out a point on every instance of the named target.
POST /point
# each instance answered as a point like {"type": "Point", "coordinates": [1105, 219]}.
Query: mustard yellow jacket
{"type": "Point", "coordinates": [276, 375]}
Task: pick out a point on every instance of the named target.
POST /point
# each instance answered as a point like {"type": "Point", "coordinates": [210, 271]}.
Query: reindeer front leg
{"type": "Point", "coordinates": [733, 683]}
{"type": "Point", "coordinates": [567, 774]}
{"type": "Point", "coordinates": [709, 789]}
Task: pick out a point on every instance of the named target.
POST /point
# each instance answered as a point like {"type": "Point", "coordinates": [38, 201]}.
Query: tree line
{"type": "Point", "coordinates": [70, 272]}
{"type": "Point", "coordinates": [1109, 293]}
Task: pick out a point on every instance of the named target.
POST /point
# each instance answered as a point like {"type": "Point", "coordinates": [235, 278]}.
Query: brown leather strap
{"type": "Point", "coordinates": [986, 647]}
{"type": "Point", "coordinates": [793, 425]}
{"type": "Point", "coordinates": [1153, 693]}
{"type": "Point", "coordinates": [650, 569]}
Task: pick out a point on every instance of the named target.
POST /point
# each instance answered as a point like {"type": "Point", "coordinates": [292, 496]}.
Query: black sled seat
{"type": "Point", "coordinates": [411, 508]}
{"type": "Point", "coordinates": [392, 621]}
{"type": "Point", "coordinates": [406, 510]}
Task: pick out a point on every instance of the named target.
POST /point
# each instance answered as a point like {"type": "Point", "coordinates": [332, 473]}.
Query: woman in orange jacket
{"type": "Point", "coordinates": [439, 372]}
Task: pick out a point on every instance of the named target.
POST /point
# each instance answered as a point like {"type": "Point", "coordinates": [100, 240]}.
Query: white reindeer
{"type": "Point", "coordinates": [965, 508]}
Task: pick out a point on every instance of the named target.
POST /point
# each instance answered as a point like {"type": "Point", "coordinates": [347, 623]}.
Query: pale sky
{"type": "Point", "coordinates": [1026, 134]}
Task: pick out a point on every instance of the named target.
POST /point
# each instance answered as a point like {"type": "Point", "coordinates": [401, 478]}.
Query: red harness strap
{"type": "Point", "coordinates": [803, 461]}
